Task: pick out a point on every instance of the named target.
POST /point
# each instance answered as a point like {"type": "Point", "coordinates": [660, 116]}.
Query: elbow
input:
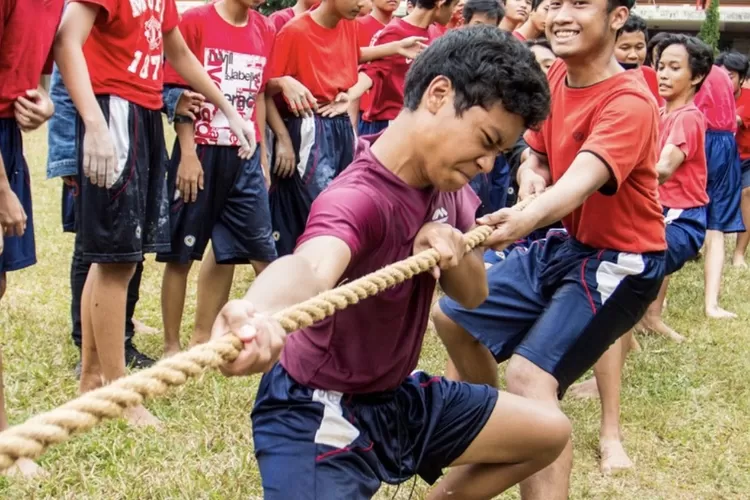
{"type": "Point", "coordinates": [662, 174]}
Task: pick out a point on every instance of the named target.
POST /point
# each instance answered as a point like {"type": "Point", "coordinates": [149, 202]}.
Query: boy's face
{"type": "Point", "coordinates": [517, 10]}
{"type": "Point", "coordinates": [388, 6]}
{"type": "Point", "coordinates": [482, 18]}
{"type": "Point", "coordinates": [482, 134]}
{"type": "Point", "coordinates": [366, 9]}
{"type": "Point", "coordinates": [675, 76]}
{"type": "Point", "coordinates": [630, 48]}
{"type": "Point", "coordinates": [349, 9]}
{"type": "Point", "coordinates": [580, 29]}
{"type": "Point", "coordinates": [445, 11]}
{"type": "Point", "coordinates": [539, 16]}
{"type": "Point", "coordinates": [735, 77]}
{"type": "Point", "coordinates": [544, 57]}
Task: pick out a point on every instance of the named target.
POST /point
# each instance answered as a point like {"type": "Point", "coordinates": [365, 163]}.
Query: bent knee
{"type": "Point", "coordinates": [448, 330]}
{"type": "Point", "coordinates": [526, 379]}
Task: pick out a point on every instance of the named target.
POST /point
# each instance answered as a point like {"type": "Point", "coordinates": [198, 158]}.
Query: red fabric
{"type": "Point", "coordinates": [743, 132]}
{"type": "Point", "coordinates": [519, 36]}
{"type": "Point", "coordinates": [281, 17]}
{"type": "Point", "coordinates": [323, 60]}
{"type": "Point", "coordinates": [436, 30]}
{"type": "Point", "coordinates": [716, 100]}
{"type": "Point", "coordinates": [124, 52]}
{"type": "Point", "coordinates": [617, 121]}
{"type": "Point", "coordinates": [685, 128]}
{"type": "Point", "coordinates": [389, 73]}
{"type": "Point", "coordinates": [26, 36]}
{"type": "Point", "coordinates": [367, 27]}
{"type": "Point", "coordinates": [653, 83]}
{"type": "Point", "coordinates": [236, 59]}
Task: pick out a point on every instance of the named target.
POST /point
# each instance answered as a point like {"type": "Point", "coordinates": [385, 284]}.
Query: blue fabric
{"type": "Point", "coordinates": [686, 232]}
{"type": "Point", "coordinates": [724, 185]}
{"type": "Point", "coordinates": [371, 128]}
{"type": "Point", "coordinates": [342, 446]}
{"type": "Point", "coordinates": [61, 131]}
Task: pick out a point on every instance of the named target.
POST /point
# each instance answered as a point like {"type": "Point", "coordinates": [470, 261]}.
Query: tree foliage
{"type": "Point", "coordinates": [273, 5]}
{"type": "Point", "coordinates": [709, 32]}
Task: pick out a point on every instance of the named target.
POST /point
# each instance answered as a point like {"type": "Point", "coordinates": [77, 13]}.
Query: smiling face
{"type": "Point", "coordinates": [581, 29]}
{"type": "Point", "coordinates": [482, 134]}
{"type": "Point", "coordinates": [675, 76]}
{"type": "Point", "coordinates": [630, 48]}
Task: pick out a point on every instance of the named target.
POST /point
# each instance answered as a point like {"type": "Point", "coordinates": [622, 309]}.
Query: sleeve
{"type": "Point", "coordinates": [620, 133]}
{"type": "Point", "coordinates": [107, 9]}
{"type": "Point", "coordinates": [171, 17]}
{"type": "Point", "coordinates": [171, 97]}
{"type": "Point", "coordinates": [346, 214]}
{"type": "Point", "coordinates": [535, 140]}
{"type": "Point", "coordinates": [269, 42]}
{"type": "Point", "coordinates": [191, 28]}
{"type": "Point", "coordinates": [378, 67]}
{"type": "Point", "coordinates": [467, 203]}
{"type": "Point", "coordinates": [685, 133]}
{"type": "Point", "coordinates": [283, 62]}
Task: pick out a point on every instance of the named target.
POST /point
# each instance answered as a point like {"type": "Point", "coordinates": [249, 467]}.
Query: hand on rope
{"type": "Point", "coordinates": [31, 438]}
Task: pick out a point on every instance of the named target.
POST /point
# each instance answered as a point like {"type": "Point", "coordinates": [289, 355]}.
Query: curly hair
{"type": "Point", "coordinates": [734, 61]}
{"type": "Point", "coordinates": [486, 66]}
{"type": "Point", "coordinates": [700, 55]}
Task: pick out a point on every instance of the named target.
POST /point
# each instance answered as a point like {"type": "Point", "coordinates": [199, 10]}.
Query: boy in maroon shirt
{"type": "Point", "coordinates": [343, 411]}
{"type": "Point", "coordinates": [23, 106]}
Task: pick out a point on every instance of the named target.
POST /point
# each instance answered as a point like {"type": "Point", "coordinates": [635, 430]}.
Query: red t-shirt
{"type": "Point", "coordinates": [436, 30]}
{"type": "Point", "coordinates": [685, 128]}
{"type": "Point", "coordinates": [125, 51]}
{"type": "Point", "coordinates": [653, 83]}
{"type": "Point", "coordinates": [26, 34]}
{"type": "Point", "coordinates": [388, 74]}
{"type": "Point", "coordinates": [616, 120]}
{"type": "Point", "coordinates": [281, 17]}
{"type": "Point", "coordinates": [743, 132]}
{"type": "Point", "coordinates": [519, 36]}
{"type": "Point", "coordinates": [715, 99]}
{"type": "Point", "coordinates": [322, 59]}
{"type": "Point", "coordinates": [374, 345]}
{"type": "Point", "coordinates": [236, 59]}
{"type": "Point", "coordinates": [367, 27]}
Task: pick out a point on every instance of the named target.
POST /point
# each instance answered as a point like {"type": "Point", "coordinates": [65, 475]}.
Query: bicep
{"type": "Point", "coordinates": [328, 258]}
{"type": "Point", "coordinates": [174, 45]}
{"type": "Point", "coordinates": [77, 21]}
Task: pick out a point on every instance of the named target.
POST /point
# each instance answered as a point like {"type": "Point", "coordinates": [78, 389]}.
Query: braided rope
{"type": "Point", "coordinates": [31, 438]}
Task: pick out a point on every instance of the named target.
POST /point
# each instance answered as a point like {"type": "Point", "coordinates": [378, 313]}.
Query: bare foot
{"type": "Point", "coordinates": [170, 351]}
{"type": "Point", "coordinates": [25, 468]}
{"type": "Point", "coordinates": [584, 390]}
{"type": "Point", "coordinates": [613, 454]}
{"type": "Point", "coordinates": [634, 345]}
{"type": "Point", "coordinates": [657, 325]}
{"type": "Point", "coordinates": [719, 313]}
{"type": "Point", "coordinates": [139, 416]}
{"type": "Point", "coordinates": [143, 328]}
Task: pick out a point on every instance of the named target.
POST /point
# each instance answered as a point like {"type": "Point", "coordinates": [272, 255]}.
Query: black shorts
{"type": "Point", "coordinates": [130, 219]}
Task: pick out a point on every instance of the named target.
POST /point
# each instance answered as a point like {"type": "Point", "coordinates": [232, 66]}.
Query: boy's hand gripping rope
{"type": "Point", "coordinates": [31, 438]}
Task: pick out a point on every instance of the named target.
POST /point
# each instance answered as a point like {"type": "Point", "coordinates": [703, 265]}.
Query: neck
{"type": "Point", "coordinates": [325, 15]}
{"type": "Point", "coordinates": [586, 70]}
{"type": "Point", "coordinates": [528, 30]}
{"type": "Point", "coordinates": [421, 18]}
{"type": "Point", "coordinates": [507, 24]}
{"type": "Point", "coordinates": [680, 101]}
{"type": "Point", "coordinates": [299, 8]}
{"type": "Point", "coordinates": [233, 12]}
{"type": "Point", "coordinates": [382, 16]}
{"type": "Point", "coordinates": [397, 155]}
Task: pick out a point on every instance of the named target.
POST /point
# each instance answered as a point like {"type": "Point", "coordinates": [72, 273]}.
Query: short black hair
{"type": "Point", "coordinates": [734, 61]}
{"type": "Point", "coordinates": [425, 4]}
{"type": "Point", "coordinates": [651, 45]}
{"type": "Point", "coordinates": [634, 24]}
{"type": "Point", "coordinates": [485, 65]}
{"type": "Point", "coordinates": [491, 8]}
{"type": "Point", "coordinates": [613, 4]}
{"type": "Point", "coordinates": [541, 42]}
{"type": "Point", "coordinates": [535, 4]}
{"type": "Point", "coordinates": [700, 55]}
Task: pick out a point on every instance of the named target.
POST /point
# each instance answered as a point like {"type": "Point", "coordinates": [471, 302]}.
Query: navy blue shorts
{"type": "Point", "coordinates": [19, 252]}
{"type": "Point", "coordinates": [130, 219]}
{"type": "Point", "coordinates": [323, 148]}
{"type": "Point", "coordinates": [315, 444]}
{"type": "Point", "coordinates": [69, 194]}
{"type": "Point", "coordinates": [492, 257]}
{"type": "Point", "coordinates": [686, 231]}
{"type": "Point", "coordinates": [365, 127]}
{"type": "Point", "coordinates": [231, 210]}
{"type": "Point", "coordinates": [561, 304]}
{"type": "Point", "coordinates": [724, 182]}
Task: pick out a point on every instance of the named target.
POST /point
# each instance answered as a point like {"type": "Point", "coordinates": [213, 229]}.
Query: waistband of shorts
{"type": "Point", "coordinates": [720, 132]}
{"type": "Point", "coordinates": [659, 254]}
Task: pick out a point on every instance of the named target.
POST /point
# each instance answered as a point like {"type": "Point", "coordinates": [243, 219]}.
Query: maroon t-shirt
{"type": "Point", "coordinates": [374, 345]}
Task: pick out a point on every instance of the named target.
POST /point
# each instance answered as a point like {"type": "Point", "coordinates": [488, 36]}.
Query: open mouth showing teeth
{"type": "Point", "coordinates": [564, 34]}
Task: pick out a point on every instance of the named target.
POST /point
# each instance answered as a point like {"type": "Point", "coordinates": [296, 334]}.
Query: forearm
{"type": "Point", "coordinates": [186, 137]}
{"type": "Point", "coordinates": [536, 164]}
{"type": "Point", "coordinates": [367, 54]}
{"type": "Point", "coordinates": [260, 117]}
{"type": "Point", "coordinates": [277, 85]}
{"type": "Point", "coordinates": [467, 282]}
{"type": "Point", "coordinates": [364, 83]}
{"type": "Point", "coordinates": [74, 72]}
{"type": "Point", "coordinates": [669, 161]}
{"type": "Point", "coordinates": [274, 120]}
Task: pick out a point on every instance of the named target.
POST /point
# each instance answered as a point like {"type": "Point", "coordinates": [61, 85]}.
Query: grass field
{"type": "Point", "coordinates": [686, 408]}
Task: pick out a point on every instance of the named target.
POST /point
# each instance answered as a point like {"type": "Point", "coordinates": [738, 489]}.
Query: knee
{"type": "Point", "coordinates": [120, 272]}
{"type": "Point", "coordinates": [3, 284]}
{"type": "Point", "coordinates": [447, 329]}
{"type": "Point", "coordinates": [525, 379]}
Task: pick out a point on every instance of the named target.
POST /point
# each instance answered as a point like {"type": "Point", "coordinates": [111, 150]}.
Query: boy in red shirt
{"type": "Point", "coordinates": [385, 77]}
{"type": "Point", "coordinates": [343, 411]}
{"type": "Point", "coordinates": [630, 51]}
{"type": "Point", "coordinates": [110, 55]}
{"type": "Point", "coordinates": [516, 13]}
{"type": "Point", "coordinates": [556, 307]}
{"type": "Point", "coordinates": [320, 51]}
{"type": "Point", "coordinates": [283, 16]}
{"type": "Point", "coordinates": [216, 195]}
{"type": "Point", "coordinates": [483, 12]}
{"type": "Point", "coordinates": [533, 28]}
{"type": "Point", "coordinates": [24, 106]}
{"type": "Point", "coordinates": [738, 67]}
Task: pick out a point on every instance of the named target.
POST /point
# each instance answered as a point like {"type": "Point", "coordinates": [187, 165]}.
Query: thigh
{"type": "Point", "coordinates": [243, 229]}
{"type": "Point", "coordinates": [685, 232]}
{"type": "Point", "coordinates": [596, 304]}
{"type": "Point", "coordinates": [514, 303]}
{"type": "Point", "coordinates": [724, 183]}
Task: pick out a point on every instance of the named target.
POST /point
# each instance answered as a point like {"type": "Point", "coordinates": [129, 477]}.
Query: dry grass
{"type": "Point", "coordinates": [686, 408]}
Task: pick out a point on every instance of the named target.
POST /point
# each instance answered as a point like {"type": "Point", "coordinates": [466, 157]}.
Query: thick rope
{"type": "Point", "coordinates": [31, 438]}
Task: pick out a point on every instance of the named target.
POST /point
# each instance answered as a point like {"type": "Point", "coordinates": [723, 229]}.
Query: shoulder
{"type": "Point", "coordinates": [195, 14]}
{"type": "Point", "coordinates": [626, 94]}
{"type": "Point", "coordinates": [691, 116]}
{"type": "Point", "coordinates": [261, 23]}
{"type": "Point", "coordinates": [296, 26]}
